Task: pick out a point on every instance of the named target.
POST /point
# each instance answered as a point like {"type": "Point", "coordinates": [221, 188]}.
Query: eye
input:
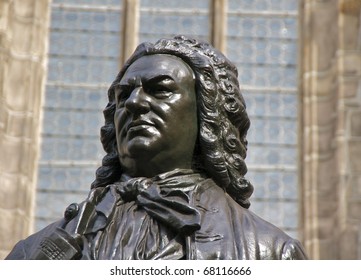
{"type": "Point", "coordinates": [160, 92]}
{"type": "Point", "coordinates": [161, 89]}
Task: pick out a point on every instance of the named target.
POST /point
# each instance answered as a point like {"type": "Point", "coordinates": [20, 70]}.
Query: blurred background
{"type": "Point", "coordinates": [299, 67]}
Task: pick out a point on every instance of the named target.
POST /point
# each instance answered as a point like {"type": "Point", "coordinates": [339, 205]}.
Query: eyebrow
{"type": "Point", "coordinates": [158, 78]}
{"type": "Point", "coordinates": [146, 80]}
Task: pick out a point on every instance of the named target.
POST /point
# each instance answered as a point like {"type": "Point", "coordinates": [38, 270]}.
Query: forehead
{"type": "Point", "coordinates": [151, 66]}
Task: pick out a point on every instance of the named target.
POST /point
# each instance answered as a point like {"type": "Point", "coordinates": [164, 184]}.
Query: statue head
{"type": "Point", "coordinates": [221, 121]}
{"type": "Point", "coordinates": [156, 116]}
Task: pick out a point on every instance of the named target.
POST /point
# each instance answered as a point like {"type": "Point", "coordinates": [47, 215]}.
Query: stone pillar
{"type": "Point", "coordinates": [23, 48]}
{"type": "Point", "coordinates": [330, 138]}
{"type": "Point", "coordinates": [349, 128]}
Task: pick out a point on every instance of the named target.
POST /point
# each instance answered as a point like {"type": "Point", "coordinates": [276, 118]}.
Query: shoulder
{"type": "Point", "coordinates": [273, 243]}
{"type": "Point", "coordinates": [254, 237]}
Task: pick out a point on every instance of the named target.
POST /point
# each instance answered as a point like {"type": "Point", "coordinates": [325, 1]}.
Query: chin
{"type": "Point", "coordinates": [141, 148]}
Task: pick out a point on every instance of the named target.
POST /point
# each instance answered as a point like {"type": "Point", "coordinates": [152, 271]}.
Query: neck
{"type": "Point", "coordinates": [151, 168]}
{"type": "Point", "coordinates": [161, 176]}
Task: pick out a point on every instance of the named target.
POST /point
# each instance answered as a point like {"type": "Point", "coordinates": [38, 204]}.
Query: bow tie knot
{"type": "Point", "coordinates": [169, 205]}
{"type": "Point", "coordinates": [132, 188]}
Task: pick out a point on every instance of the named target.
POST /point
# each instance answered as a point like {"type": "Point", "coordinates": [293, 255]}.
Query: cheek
{"type": "Point", "coordinates": [189, 111]}
{"type": "Point", "coordinates": [119, 120]}
{"type": "Point", "coordinates": [183, 107]}
{"type": "Point", "coordinates": [185, 117]}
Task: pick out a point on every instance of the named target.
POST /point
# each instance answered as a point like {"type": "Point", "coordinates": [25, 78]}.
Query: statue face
{"type": "Point", "coordinates": [156, 116]}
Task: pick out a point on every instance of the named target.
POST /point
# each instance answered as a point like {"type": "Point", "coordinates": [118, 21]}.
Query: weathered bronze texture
{"type": "Point", "coordinates": [171, 185]}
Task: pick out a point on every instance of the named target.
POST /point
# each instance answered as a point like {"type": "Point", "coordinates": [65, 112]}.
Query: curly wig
{"type": "Point", "coordinates": [223, 121]}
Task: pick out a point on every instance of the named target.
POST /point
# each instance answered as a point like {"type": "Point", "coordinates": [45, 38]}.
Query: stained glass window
{"type": "Point", "coordinates": [84, 52]}
{"type": "Point", "coordinates": [262, 41]}
{"type": "Point", "coordinates": [84, 58]}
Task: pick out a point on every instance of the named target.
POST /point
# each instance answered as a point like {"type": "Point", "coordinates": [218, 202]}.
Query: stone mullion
{"type": "Point", "coordinates": [130, 28]}
{"type": "Point", "coordinates": [218, 24]}
{"type": "Point", "coordinates": [308, 162]}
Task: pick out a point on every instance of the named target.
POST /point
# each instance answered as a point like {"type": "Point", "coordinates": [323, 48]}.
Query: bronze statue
{"type": "Point", "coordinates": [171, 185]}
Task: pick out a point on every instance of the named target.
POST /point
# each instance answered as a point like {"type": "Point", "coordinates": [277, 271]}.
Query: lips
{"type": "Point", "coordinates": [139, 123]}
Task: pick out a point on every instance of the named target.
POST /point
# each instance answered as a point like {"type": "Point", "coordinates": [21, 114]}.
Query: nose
{"type": "Point", "coordinates": [138, 101]}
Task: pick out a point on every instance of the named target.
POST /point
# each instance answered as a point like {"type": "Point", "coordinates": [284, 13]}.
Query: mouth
{"type": "Point", "coordinates": [139, 124]}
